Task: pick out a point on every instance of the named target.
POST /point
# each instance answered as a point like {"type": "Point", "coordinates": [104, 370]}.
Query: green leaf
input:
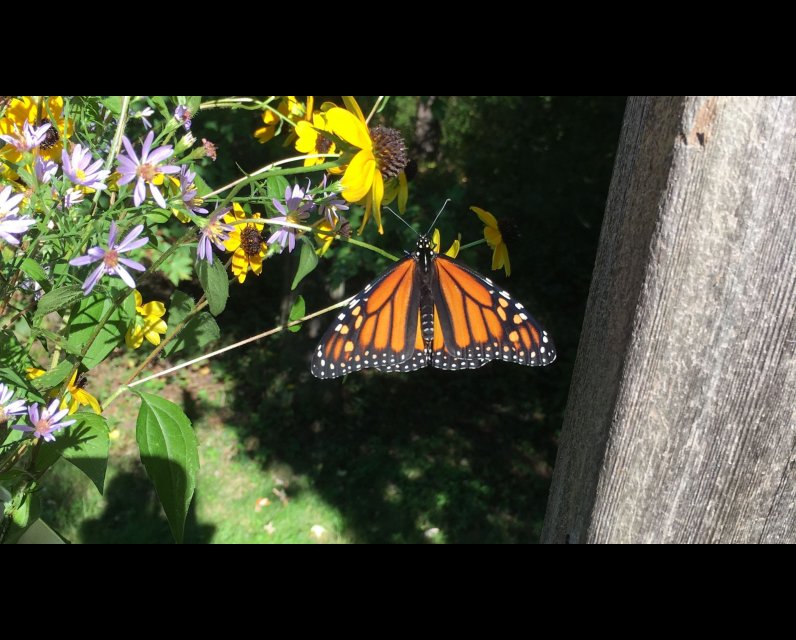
{"type": "Point", "coordinates": [13, 379]}
{"type": "Point", "coordinates": [193, 104]}
{"type": "Point", "coordinates": [12, 353]}
{"type": "Point", "coordinates": [84, 322]}
{"type": "Point", "coordinates": [58, 299]}
{"type": "Point", "coordinates": [179, 266]}
{"type": "Point", "coordinates": [53, 377]}
{"type": "Point", "coordinates": [296, 312]}
{"type": "Point", "coordinates": [215, 284]}
{"type": "Point", "coordinates": [308, 260]}
{"type": "Point", "coordinates": [36, 272]}
{"type": "Point", "coordinates": [23, 514]}
{"type": "Point", "coordinates": [113, 104]}
{"type": "Point", "coordinates": [170, 453]}
{"type": "Point", "coordinates": [276, 186]}
{"type": "Point", "coordinates": [85, 444]}
{"type": "Point", "coordinates": [199, 331]}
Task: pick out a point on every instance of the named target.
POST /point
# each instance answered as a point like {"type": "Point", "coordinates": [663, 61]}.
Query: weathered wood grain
{"type": "Point", "coordinates": [681, 419]}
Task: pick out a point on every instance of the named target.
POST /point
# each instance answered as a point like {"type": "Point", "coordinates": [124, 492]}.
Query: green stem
{"type": "Point", "coordinates": [242, 182]}
{"type": "Point", "coordinates": [475, 243]}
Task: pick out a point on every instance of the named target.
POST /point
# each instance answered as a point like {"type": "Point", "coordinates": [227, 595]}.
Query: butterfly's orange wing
{"type": "Point", "coordinates": [378, 328]}
{"type": "Point", "coordinates": [476, 321]}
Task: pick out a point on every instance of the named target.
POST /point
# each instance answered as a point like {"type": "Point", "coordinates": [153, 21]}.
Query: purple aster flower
{"type": "Point", "coordinates": [188, 189]}
{"type": "Point", "coordinates": [45, 169]}
{"type": "Point", "coordinates": [9, 409]}
{"type": "Point", "coordinates": [144, 115]}
{"type": "Point", "coordinates": [214, 233]}
{"type": "Point", "coordinates": [183, 115]}
{"type": "Point", "coordinates": [29, 138]}
{"type": "Point", "coordinates": [11, 224]}
{"type": "Point", "coordinates": [329, 206]}
{"type": "Point", "coordinates": [110, 260]}
{"type": "Point", "coordinates": [46, 421]}
{"type": "Point", "coordinates": [297, 208]}
{"type": "Point", "coordinates": [81, 171]}
{"type": "Point", "coordinates": [72, 197]}
{"type": "Point", "coordinates": [146, 170]}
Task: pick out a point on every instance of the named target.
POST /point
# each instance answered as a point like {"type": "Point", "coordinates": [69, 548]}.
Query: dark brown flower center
{"type": "Point", "coordinates": [508, 230]}
{"type": "Point", "coordinates": [390, 151]}
{"type": "Point", "coordinates": [322, 144]}
{"type": "Point", "coordinates": [251, 241]}
{"type": "Point", "coordinates": [51, 137]}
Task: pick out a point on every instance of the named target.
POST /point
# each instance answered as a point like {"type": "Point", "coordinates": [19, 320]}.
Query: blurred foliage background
{"type": "Point", "coordinates": [430, 456]}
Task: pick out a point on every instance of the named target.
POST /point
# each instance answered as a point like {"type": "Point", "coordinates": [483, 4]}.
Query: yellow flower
{"type": "Point", "coordinates": [454, 248]}
{"type": "Point", "coordinates": [26, 109]}
{"type": "Point", "coordinates": [246, 242]}
{"type": "Point", "coordinates": [380, 156]}
{"type": "Point", "coordinates": [311, 139]}
{"type": "Point", "coordinates": [150, 325]}
{"type": "Point", "coordinates": [494, 238]}
{"type": "Point", "coordinates": [79, 395]}
{"type": "Point", "coordinates": [289, 108]}
{"type": "Point", "coordinates": [32, 373]}
{"type": "Point", "coordinates": [325, 234]}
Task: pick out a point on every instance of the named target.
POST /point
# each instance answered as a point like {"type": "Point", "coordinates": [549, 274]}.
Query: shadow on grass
{"type": "Point", "coordinates": [133, 515]}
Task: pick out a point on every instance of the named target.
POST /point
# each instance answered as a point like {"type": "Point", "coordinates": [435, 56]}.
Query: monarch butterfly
{"type": "Point", "coordinates": [428, 309]}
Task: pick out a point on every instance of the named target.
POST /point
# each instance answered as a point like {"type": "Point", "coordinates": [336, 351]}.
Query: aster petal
{"type": "Point", "coordinates": [23, 427]}
{"type": "Point", "coordinates": [94, 167]}
{"type": "Point", "coordinates": [92, 280]}
{"type": "Point", "coordinates": [126, 176]}
{"type": "Point", "coordinates": [279, 207]}
{"type": "Point", "coordinates": [5, 394]}
{"type": "Point", "coordinates": [147, 146]}
{"type": "Point", "coordinates": [140, 192]}
{"type": "Point", "coordinates": [125, 276]}
{"type": "Point", "coordinates": [53, 407]}
{"type": "Point", "coordinates": [169, 168]}
{"type": "Point", "coordinates": [82, 261]}
{"type": "Point", "coordinates": [160, 154]}
{"type": "Point", "coordinates": [16, 407]}
{"type": "Point", "coordinates": [130, 151]}
{"type": "Point", "coordinates": [348, 127]}
{"type": "Point", "coordinates": [291, 242]}
{"type": "Point", "coordinates": [11, 202]}
{"type": "Point", "coordinates": [19, 225]}
{"type": "Point", "coordinates": [358, 177]}
{"type": "Point", "coordinates": [56, 417]}
{"type": "Point", "coordinates": [112, 233]}
{"type": "Point", "coordinates": [126, 244]}
{"type": "Point", "coordinates": [157, 195]}
{"type": "Point", "coordinates": [33, 413]}
{"type": "Point", "coordinates": [132, 264]}
{"type": "Point", "coordinates": [66, 162]}
{"type": "Point", "coordinates": [487, 218]}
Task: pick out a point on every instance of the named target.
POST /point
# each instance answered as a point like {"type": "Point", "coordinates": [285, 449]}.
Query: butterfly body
{"type": "Point", "coordinates": [429, 309]}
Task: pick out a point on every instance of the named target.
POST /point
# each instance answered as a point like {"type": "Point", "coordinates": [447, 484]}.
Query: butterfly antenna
{"type": "Point", "coordinates": [401, 219]}
{"type": "Point", "coordinates": [444, 204]}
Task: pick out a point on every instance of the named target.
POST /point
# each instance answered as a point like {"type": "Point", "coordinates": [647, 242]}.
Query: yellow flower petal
{"type": "Point", "coordinates": [346, 125]}
{"type": "Point", "coordinates": [500, 258]}
{"type": "Point", "coordinates": [378, 195]}
{"type": "Point", "coordinates": [492, 237]}
{"type": "Point", "coordinates": [157, 309]}
{"type": "Point", "coordinates": [134, 337]}
{"type": "Point", "coordinates": [358, 177]}
{"type": "Point", "coordinates": [307, 137]}
{"type": "Point", "coordinates": [454, 248]}
{"type": "Point", "coordinates": [487, 218]}
{"type": "Point", "coordinates": [353, 106]}
{"type": "Point", "coordinates": [33, 373]}
{"type": "Point", "coordinates": [435, 240]}
{"type": "Point", "coordinates": [138, 300]}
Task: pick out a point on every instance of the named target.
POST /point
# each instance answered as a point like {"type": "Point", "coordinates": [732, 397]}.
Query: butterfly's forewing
{"type": "Point", "coordinates": [477, 321]}
{"type": "Point", "coordinates": [378, 328]}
